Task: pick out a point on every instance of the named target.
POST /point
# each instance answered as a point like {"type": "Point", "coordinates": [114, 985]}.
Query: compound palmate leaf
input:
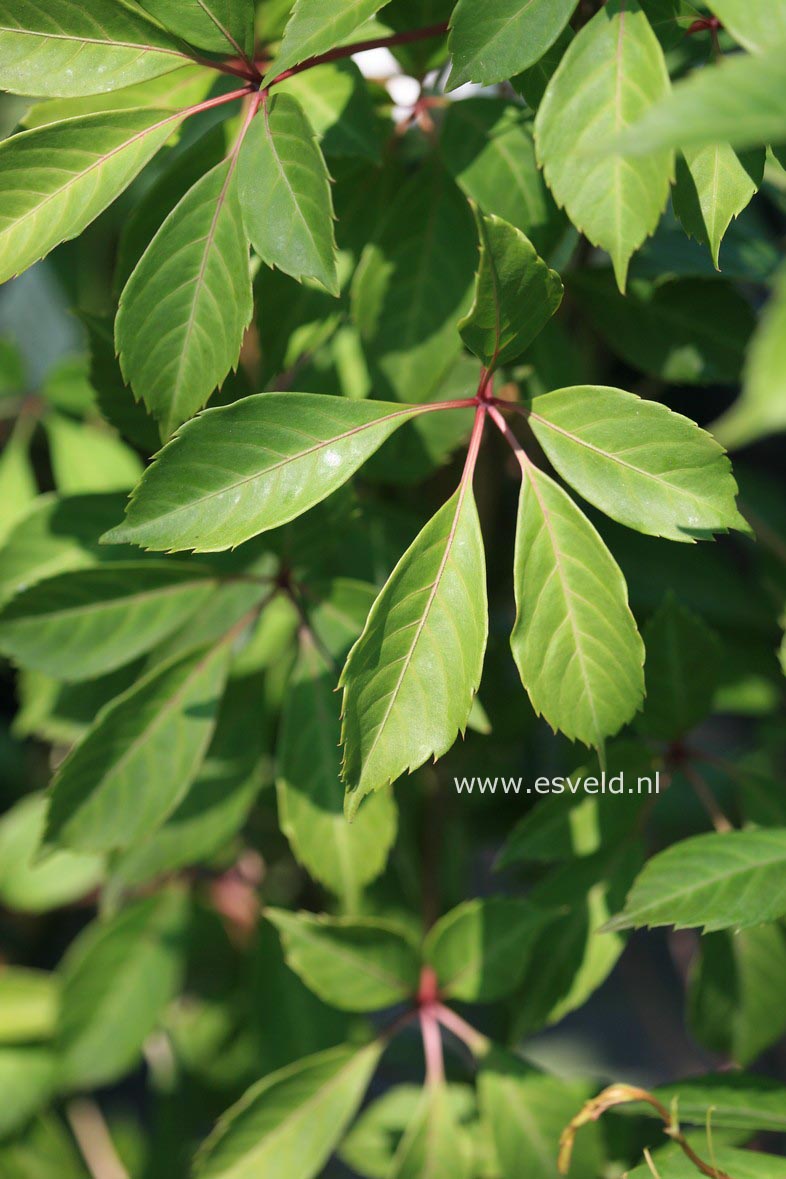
{"type": "Point", "coordinates": [56, 179]}
{"type": "Point", "coordinates": [285, 193]}
{"type": "Point", "coordinates": [244, 468]}
{"type": "Point", "coordinates": [186, 307]}
{"type": "Point", "coordinates": [63, 49]}
{"type": "Point", "coordinates": [719, 881]}
{"type": "Point", "coordinates": [499, 38]}
{"type": "Point", "coordinates": [216, 25]}
{"type": "Point", "coordinates": [356, 964]}
{"type": "Point", "coordinates": [140, 757]}
{"type": "Point", "coordinates": [411, 677]}
{"type": "Point", "coordinates": [81, 625]}
{"type": "Point", "coordinates": [286, 1125]}
{"type": "Point", "coordinates": [575, 640]}
{"type": "Point", "coordinates": [315, 27]}
{"type": "Point", "coordinates": [612, 73]}
{"type": "Point", "coordinates": [515, 297]}
{"type": "Point", "coordinates": [643, 465]}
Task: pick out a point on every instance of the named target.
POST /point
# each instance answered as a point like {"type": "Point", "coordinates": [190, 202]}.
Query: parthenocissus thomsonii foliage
{"type": "Point", "coordinates": [349, 276]}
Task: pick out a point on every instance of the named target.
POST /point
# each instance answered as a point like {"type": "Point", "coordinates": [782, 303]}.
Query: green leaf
{"type": "Point", "coordinates": [714, 184]}
{"type": "Point", "coordinates": [339, 108]}
{"type": "Point", "coordinates": [515, 297]}
{"type": "Point", "coordinates": [59, 534]}
{"type": "Point", "coordinates": [32, 882]}
{"type": "Point", "coordinates": [682, 672]}
{"type": "Point", "coordinates": [488, 148]}
{"type": "Point", "coordinates": [340, 855]}
{"type": "Point", "coordinates": [184, 87]}
{"type": "Point", "coordinates": [531, 83]}
{"type": "Point", "coordinates": [756, 27]}
{"type": "Point", "coordinates": [575, 640]}
{"type": "Point", "coordinates": [186, 307]}
{"type": "Point", "coordinates": [87, 458]}
{"type": "Point", "coordinates": [742, 1164]}
{"type": "Point", "coordinates": [313, 29]}
{"type": "Point", "coordinates": [216, 25]}
{"type": "Point", "coordinates": [140, 757]}
{"type": "Point", "coordinates": [207, 492]}
{"type": "Point", "coordinates": [18, 487]}
{"type": "Point", "coordinates": [80, 625]}
{"type": "Point", "coordinates": [691, 331]}
{"type": "Point", "coordinates": [569, 825]}
{"type": "Point", "coordinates": [218, 801]}
{"type": "Point", "coordinates": [44, 1149]}
{"type": "Point", "coordinates": [641, 464]}
{"type": "Point", "coordinates": [373, 1141]}
{"type": "Point", "coordinates": [285, 196]}
{"type": "Point", "coordinates": [29, 1078]}
{"type": "Point", "coordinates": [64, 49]}
{"type": "Point", "coordinates": [527, 1111]}
{"type": "Point", "coordinates": [761, 409]}
{"type": "Point", "coordinates": [353, 963]}
{"type": "Point", "coordinates": [28, 1005]}
{"type": "Point", "coordinates": [739, 1101]}
{"type": "Point", "coordinates": [737, 102]}
{"type": "Point", "coordinates": [612, 73]}
{"type": "Point", "coordinates": [411, 288]}
{"type": "Point", "coordinates": [728, 881]}
{"type": "Point", "coordinates": [480, 949]}
{"type": "Point", "coordinates": [55, 180]}
{"type": "Point", "coordinates": [432, 1147]}
{"type": "Point", "coordinates": [287, 1125]}
{"type": "Point", "coordinates": [735, 999]}
{"type": "Point", "coordinates": [503, 37]}
{"type": "Point", "coordinates": [571, 957]}
{"type": "Point", "coordinates": [116, 979]}
{"type": "Point", "coordinates": [410, 679]}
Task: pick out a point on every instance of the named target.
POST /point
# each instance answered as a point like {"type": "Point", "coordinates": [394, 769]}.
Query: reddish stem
{"type": "Point", "coordinates": [342, 51]}
{"type": "Point", "coordinates": [474, 444]}
{"type": "Point", "coordinates": [432, 1047]}
{"type": "Point", "coordinates": [474, 1040]}
{"type": "Point", "coordinates": [209, 103]}
{"type": "Point", "coordinates": [521, 455]}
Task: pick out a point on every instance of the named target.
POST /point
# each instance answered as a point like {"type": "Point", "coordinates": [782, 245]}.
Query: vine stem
{"type": "Point", "coordinates": [522, 457]}
{"type": "Point", "coordinates": [622, 1095]}
{"type": "Point", "coordinates": [341, 51]}
{"type": "Point", "coordinates": [432, 1047]}
{"type": "Point", "coordinates": [477, 1043]}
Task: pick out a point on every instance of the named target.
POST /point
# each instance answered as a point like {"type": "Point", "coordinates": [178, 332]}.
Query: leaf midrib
{"type": "Point", "coordinates": [610, 457]}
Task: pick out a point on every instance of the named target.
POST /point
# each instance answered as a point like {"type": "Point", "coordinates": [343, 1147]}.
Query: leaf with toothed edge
{"type": "Point", "coordinates": [63, 50]}
{"type": "Point", "coordinates": [411, 677]}
{"type": "Point", "coordinates": [83, 624]}
{"type": "Point", "coordinates": [186, 307]}
{"type": "Point", "coordinates": [612, 73]}
{"type": "Point", "coordinates": [575, 641]}
{"type": "Point", "coordinates": [731, 880]}
{"type": "Point", "coordinates": [285, 195]}
{"type": "Point", "coordinates": [139, 758]}
{"type": "Point", "coordinates": [251, 466]}
{"type": "Point", "coordinates": [56, 179]}
{"type": "Point", "coordinates": [315, 27]}
{"type": "Point", "coordinates": [491, 42]}
{"type": "Point", "coordinates": [342, 856]}
{"type": "Point", "coordinates": [640, 463]}
{"type": "Point", "coordinates": [220, 26]}
{"type": "Point", "coordinates": [353, 963]}
{"type": "Point", "coordinates": [515, 296]}
{"type": "Point", "coordinates": [288, 1123]}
